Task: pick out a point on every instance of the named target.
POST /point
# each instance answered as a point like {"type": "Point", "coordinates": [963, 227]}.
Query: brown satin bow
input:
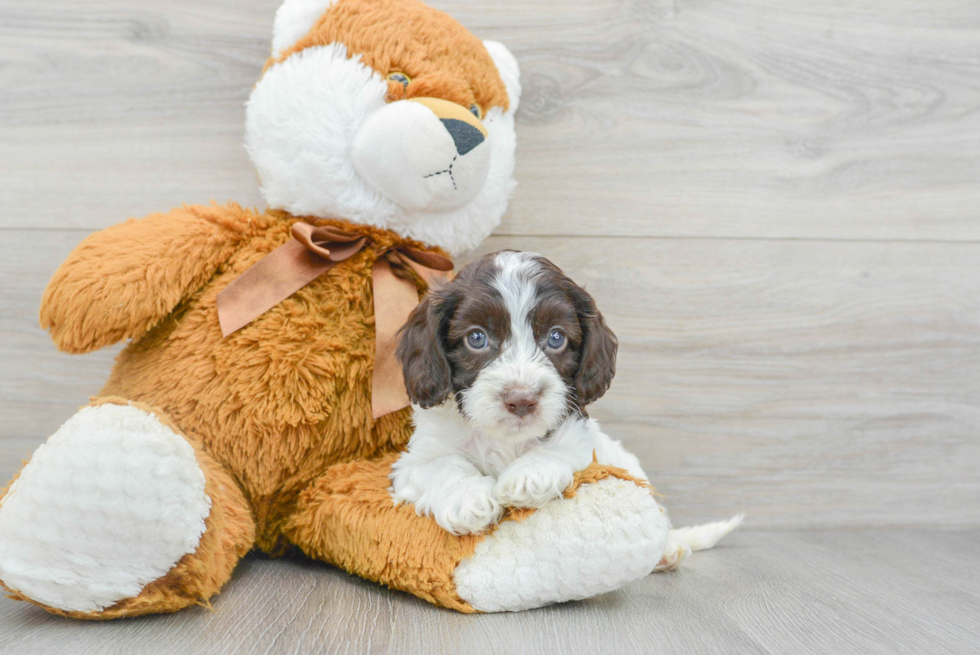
{"type": "Point", "coordinates": [312, 252]}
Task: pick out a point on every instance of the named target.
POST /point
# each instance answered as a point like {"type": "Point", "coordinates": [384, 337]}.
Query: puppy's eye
{"type": "Point", "coordinates": [477, 339]}
{"type": "Point", "coordinates": [401, 78]}
{"type": "Point", "coordinates": [556, 339]}
{"type": "Point", "coordinates": [476, 111]}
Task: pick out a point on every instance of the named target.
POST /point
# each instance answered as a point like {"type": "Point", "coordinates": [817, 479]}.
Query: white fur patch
{"type": "Point", "coordinates": [610, 533]}
{"type": "Point", "coordinates": [405, 151]}
{"type": "Point", "coordinates": [299, 124]}
{"type": "Point", "coordinates": [107, 505]}
{"type": "Point", "coordinates": [299, 127]}
{"type": "Point", "coordinates": [509, 71]}
{"type": "Point", "coordinates": [294, 19]}
{"type": "Point", "coordinates": [706, 535]}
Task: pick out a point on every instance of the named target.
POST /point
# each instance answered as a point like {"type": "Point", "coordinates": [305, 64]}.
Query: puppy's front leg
{"type": "Point", "coordinates": [448, 488]}
{"type": "Point", "coordinates": [544, 472]}
{"type": "Point", "coordinates": [533, 479]}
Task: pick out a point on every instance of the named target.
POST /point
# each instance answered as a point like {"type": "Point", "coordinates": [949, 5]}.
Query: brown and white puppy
{"type": "Point", "coordinates": [500, 365]}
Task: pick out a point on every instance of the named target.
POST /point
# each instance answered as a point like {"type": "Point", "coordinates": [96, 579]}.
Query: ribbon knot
{"type": "Point", "coordinates": [313, 251]}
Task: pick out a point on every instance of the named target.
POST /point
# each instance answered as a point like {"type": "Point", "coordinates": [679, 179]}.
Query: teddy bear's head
{"type": "Point", "coordinates": [388, 113]}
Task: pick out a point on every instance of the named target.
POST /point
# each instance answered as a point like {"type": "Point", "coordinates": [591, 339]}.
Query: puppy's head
{"type": "Point", "coordinates": [514, 341]}
{"type": "Point", "coordinates": [389, 113]}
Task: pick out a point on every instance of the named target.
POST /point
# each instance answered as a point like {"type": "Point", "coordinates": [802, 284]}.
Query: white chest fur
{"type": "Point", "coordinates": [492, 455]}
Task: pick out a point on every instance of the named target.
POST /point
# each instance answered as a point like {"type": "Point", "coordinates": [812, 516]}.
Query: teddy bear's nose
{"type": "Point", "coordinates": [465, 136]}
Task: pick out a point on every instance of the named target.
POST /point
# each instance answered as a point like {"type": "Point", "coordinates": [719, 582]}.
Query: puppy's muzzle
{"type": "Point", "coordinates": [425, 154]}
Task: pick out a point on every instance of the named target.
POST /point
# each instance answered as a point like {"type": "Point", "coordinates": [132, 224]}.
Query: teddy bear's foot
{"type": "Point", "coordinates": [118, 514]}
{"type": "Point", "coordinates": [605, 532]}
{"type": "Point", "coordinates": [609, 533]}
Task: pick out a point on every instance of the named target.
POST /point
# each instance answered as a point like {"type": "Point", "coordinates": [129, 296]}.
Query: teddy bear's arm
{"type": "Point", "coordinates": [120, 282]}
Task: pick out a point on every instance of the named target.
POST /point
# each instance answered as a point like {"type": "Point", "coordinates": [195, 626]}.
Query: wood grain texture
{"type": "Point", "coordinates": [775, 205]}
{"type": "Point", "coordinates": [840, 119]}
{"type": "Point", "coordinates": [841, 592]}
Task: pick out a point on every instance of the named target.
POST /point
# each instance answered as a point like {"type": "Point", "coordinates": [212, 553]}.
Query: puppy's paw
{"type": "Point", "coordinates": [532, 484]}
{"type": "Point", "coordinates": [470, 506]}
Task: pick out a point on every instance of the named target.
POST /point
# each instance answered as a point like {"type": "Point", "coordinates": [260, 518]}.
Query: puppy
{"type": "Point", "coordinates": [500, 365]}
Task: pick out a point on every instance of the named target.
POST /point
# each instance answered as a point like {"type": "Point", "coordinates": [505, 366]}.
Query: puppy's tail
{"type": "Point", "coordinates": [681, 542]}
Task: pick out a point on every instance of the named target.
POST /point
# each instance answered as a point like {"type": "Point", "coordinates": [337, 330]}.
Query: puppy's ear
{"type": "Point", "coordinates": [597, 359]}
{"type": "Point", "coordinates": [422, 351]}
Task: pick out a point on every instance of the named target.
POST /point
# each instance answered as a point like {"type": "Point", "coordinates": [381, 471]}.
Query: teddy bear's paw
{"type": "Point", "coordinates": [469, 507]}
{"type": "Point", "coordinates": [607, 534]}
{"type": "Point", "coordinates": [674, 553]}
{"type": "Point", "coordinates": [532, 483]}
{"type": "Point", "coordinates": [107, 505]}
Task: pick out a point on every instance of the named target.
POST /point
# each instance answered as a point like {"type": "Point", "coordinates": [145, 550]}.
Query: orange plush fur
{"type": "Point", "coordinates": [279, 413]}
{"type": "Point", "coordinates": [347, 518]}
{"type": "Point", "coordinates": [269, 408]}
{"type": "Point", "coordinates": [229, 534]}
{"type": "Point", "coordinates": [276, 402]}
{"type": "Point", "coordinates": [441, 57]}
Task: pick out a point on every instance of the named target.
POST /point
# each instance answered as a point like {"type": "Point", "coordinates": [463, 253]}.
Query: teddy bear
{"type": "Point", "coordinates": [255, 405]}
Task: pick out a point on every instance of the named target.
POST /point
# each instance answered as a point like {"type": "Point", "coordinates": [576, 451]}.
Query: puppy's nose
{"type": "Point", "coordinates": [521, 403]}
{"type": "Point", "coordinates": [465, 136]}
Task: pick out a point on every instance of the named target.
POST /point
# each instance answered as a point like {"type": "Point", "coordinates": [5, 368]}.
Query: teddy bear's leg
{"type": "Point", "coordinates": [606, 532]}
{"type": "Point", "coordinates": [119, 514]}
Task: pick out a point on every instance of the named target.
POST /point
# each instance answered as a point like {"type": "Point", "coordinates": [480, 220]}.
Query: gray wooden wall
{"type": "Point", "coordinates": [777, 206]}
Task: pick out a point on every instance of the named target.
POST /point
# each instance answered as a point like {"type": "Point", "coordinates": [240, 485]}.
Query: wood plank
{"type": "Point", "coordinates": [120, 109]}
{"type": "Point", "coordinates": [806, 383]}
{"type": "Point", "coordinates": [40, 387]}
{"type": "Point", "coordinates": [840, 589]}
{"type": "Point", "coordinates": [833, 120]}
{"type": "Point", "coordinates": [816, 592]}
{"type": "Point", "coordinates": [810, 384]}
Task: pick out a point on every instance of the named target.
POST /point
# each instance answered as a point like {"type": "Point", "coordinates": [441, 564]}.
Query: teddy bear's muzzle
{"type": "Point", "coordinates": [426, 154]}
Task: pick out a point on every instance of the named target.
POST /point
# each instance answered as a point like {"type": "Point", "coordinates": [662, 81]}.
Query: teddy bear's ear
{"type": "Point", "coordinates": [509, 71]}
{"type": "Point", "coordinates": [294, 19]}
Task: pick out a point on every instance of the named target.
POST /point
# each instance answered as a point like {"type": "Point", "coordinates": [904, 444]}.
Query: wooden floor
{"type": "Point", "coordinates": [841, 591]}
{"type": "Point", "coordinates": [777, 206]}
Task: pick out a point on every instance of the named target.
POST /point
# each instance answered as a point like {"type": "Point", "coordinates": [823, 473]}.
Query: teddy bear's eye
{"type": "Point", "coordinates": [401, 78]}
{"type": "Point", "coordinates": [476, 111]}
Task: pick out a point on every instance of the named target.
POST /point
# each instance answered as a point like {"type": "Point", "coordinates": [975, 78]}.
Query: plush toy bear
{"type": "Point", "coordinates": [250, 408]}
